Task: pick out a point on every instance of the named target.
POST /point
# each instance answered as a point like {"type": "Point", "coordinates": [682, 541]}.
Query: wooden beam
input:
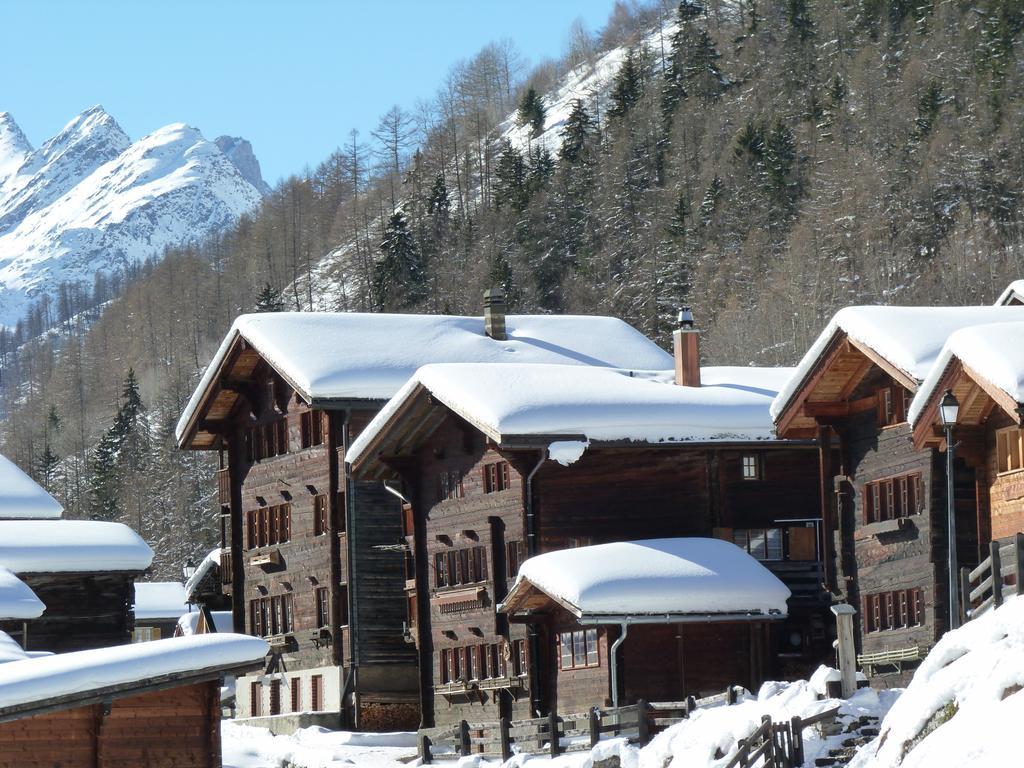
{"type": "Point", "coordinates": [826, 409]}
{"type": "Point", "coordinates": [856, 378]}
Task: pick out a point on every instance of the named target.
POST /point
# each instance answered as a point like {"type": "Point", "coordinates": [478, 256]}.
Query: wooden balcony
{"type": "Point", "coordinates": [225, 566]}
{"type": "Point", "coordinates": [223, 487]}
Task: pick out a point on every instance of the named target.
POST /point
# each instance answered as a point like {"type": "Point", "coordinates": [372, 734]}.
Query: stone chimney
{"type": "Point", "coordinates": [494, 314]}
{"type": "Point", "coordinates": [686, 348]}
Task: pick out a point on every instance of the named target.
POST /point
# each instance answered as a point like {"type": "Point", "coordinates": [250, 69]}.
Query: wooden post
{"type": "Point", "coordinates": [743, 753]}
{"type": "Point", "coordinates": [553, 733]}
{"type": "Point", "coordinates": [965, 595]}
{"type": "Point", "coordinates": [425, 756]}
{"type": "Point", "coordinates": [796, 730]}
{"type": "Point", "coordinates": [730, 695]}
{"type": "Point", "coordinates": [997, 574]}
{"type": "Point", "coordinates": [847, 652]}
{"type": "Point", "coordinates": [506, 747]}
{"type": "Point", "coordinates": [691, 705]}
{"type": "Point", "coordinates": [464, 745]}
{"type": "Point", "coordinates": [595, 726]}
{"type": "Point", "coordinates": [1018, 548]}
{"type": "Point", "coordinates": [769, 738]}
{"type": "Point", "coordinates": [643, 725]}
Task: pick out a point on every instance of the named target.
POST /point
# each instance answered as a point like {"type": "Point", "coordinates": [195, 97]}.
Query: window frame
{"type": "Point", "coordinates": [577, 647]}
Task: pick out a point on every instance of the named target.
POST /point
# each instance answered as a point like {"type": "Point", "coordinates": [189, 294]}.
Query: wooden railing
{"type": "Point", "coordinates": [995, 578]}
{"type": "Point", "coordinates": [778, 745]}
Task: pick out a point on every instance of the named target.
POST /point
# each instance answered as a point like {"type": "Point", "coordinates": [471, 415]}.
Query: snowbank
{"type": "Point", "coordinates": [159, 600]}
{"type": "Point", "coordinates": [965, 703]}
{"type": "Point", "coordinates": [249, 747]}
{"type": "Point", "coordinates": [35, 679]}
{"type": "Point", "coordinates": [52, 546]}
{"type": "Point", "coordinates": [22, 498]}
{"type": "Point", "coordinates": [657, 576]}
{"type": "Point", "coordinates": [10, 650]}
{"type": "Point", "coordinates": [370, 356]}
{"type": "Point", "coordinates": [17, 600]}
{"type": "Point", "coordinates": [994, 351]}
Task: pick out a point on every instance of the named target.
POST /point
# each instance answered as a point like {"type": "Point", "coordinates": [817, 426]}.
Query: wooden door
{"type": "Point", "coordinates": [802, 543]}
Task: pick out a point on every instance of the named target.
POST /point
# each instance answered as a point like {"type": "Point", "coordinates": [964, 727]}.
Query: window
{"type": "Point", "coordinates": [296, 694]}
{"type": "Point", "coordinates": [145, 634]}
{"type": "Point", "coordinates": [761, 543]}
{"type": "Point", "coordinates": [1010, 449]}
{"type": "Point", "coordinates": [578, 650]}
{"type": "Point", "coordinates": [275, 697]}
{"type": "Point", "coordinates": [271, 615]}
{"type": "Point", "coordinates": [520, 662]}
{"type": "Point", "coordinates": [319, 515]}
{"type": "Point", "coordinates": [311, 428]}
{"type": "Point", "coordinates": [497, 477]}
{"type": "Point", "coordinates": [460, 566]}
{"type": "Point", "coordinates": [267, 440]}
{"type": "Point", "coordinates": [255, 699]}
{"type": "Point", "coordinates": [473, 663]}
{"type": "Point", "coordinates": [897, 609]}
{"type": "Point", "coordinates": [752, 469]}
{"type": "Point", "coordinates": [574, 542]}
{"type": "Point", "coordinates": [892, 498]}
{"type": "Point", "coordinates": [316, 691]}
{"type": "Point", "coordinates": [446, 665]}
{"type": "Point", "coordinates": [450, 485]}
{"type": "Point", "coordinates": [269, 525]}
{"type": "Point", "coordinates": [323, 610]}
{"type": "Point", "coordinates": [513, 558]}
{"type": "Point", "coordinates": [892, 405]}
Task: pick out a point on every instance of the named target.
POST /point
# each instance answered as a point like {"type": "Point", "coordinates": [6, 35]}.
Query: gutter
{"type": "Point", "coordinates": [531, 550]}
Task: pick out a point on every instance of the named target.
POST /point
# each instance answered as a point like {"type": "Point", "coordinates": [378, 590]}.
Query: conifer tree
{"type": "Point", "coordinates": [627, 87]}
{"type": "Point", "coordinates": [541, 169]}
{"type": "Point", "coordinates": [400, 280]}
{"type": "Point", "coordinates": [510, 180]}
{"type": "Point", "coordinates": [577, 134]}
{"type": "Point", "coordinates": [269, 300]}
{"type": "Point", "coordinates": [531, 111]}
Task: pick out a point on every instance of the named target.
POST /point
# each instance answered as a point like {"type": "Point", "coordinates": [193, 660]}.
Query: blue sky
{"type": "Point", "coordinates": [294, 77]}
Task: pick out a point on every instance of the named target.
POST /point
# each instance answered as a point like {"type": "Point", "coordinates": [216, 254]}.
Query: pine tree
{"type": "Point", "coordinates": [627, 87]}
{"type": "Point", "coordinates": [510, 180]}
{"type": "Point", "coordinates": [46, 466]}
{"type": "Point", "coordinates": [541, 169]}
{"type": "Point", "coordinates": [532, 111]}
{"type": "Point", "coordinates": [269, 300]}
{"type": "Point", "coordinates": [701, 68]}
{"type": "Point", "coordinates": [928, 105]}
{"type": "Point", "coordinates": [577, 134]}
{"type": "Point", "coordinates": [400, 280]}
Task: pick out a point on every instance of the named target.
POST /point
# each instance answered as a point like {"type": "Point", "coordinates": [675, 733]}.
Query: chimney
{"type": "Point", "coordinates": [686, 347]}
{"type": "Point", "coordinates": [494, 314]}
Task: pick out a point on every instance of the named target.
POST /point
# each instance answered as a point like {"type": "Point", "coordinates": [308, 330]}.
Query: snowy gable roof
{"type": "Point", "coordinates": [908, 338]}
{"type": "Point", "coordinates": [1012, 295]}
{"type": "Point", "coordinates": [600, 404]}
{"type": "Point", "coordinates": [343, 355]}
{"type": "Point", "coordinates": [211, 560]}
{"type": "Point", "coordinates": [83, 674]}
{"type": "Point", "coordinates": [159, 600]}
{"type": "Point", "coordinates": [993, 352]}
{"type": "Point", "coordinates": [189, 622]}
{"type": "Point", "coordinates": [17, 600]}
{"type": "Point", "coordinates": [692, 576]}
{"type": "Point", "coordinates": [21, 497]}
{"type": "Point", "coordinates": [53, 546]}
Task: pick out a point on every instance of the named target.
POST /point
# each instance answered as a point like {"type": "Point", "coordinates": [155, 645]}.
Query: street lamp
{"type": "Point", "coordinates": [949, 408]}
{"type": "Point", "coordinates": [188, 570]}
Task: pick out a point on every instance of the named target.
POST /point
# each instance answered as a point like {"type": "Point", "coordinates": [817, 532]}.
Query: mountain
{"type": "Point", "coordinates": [239, 152]}
{"type": "Point", "coordinates": [89, 200]}
{"type": "Point", "coordinates": [14, 147]}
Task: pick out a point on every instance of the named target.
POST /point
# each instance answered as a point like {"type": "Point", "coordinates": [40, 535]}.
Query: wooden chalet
{"type": "Point", "coordinates": [311, 558]}
{"type": "Point", "coordinates": [884, 497]}
{"type": "Point", "coordinates": [657, 620]}
{"type": "Point", "coordinates": [497, 464]}
{"type": "Point", "coordinates": [83, 572]}
{"type": "Point", "coordinates": [143, 705]}
{"type": "Point", "coordinates": [1013, 295]}
{"type": "Point", "coordinates": [158, 606]}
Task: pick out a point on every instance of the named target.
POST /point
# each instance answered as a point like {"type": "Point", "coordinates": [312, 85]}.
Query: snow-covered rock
{"type": "Point", "coordinates": [90, 200]}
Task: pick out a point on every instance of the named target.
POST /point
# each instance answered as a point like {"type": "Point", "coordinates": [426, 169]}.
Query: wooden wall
{"type": "Point", "coordinates": [1005, 492]}
{"type": "Point", "coordinates": [175, 728]}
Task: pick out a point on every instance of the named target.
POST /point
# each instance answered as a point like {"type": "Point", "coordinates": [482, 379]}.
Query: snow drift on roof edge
{"type": "Point", "coordinates": [21, 497]}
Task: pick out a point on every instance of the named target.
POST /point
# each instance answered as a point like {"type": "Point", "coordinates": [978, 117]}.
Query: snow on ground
{"type": "Point", "coordinates": [248, 747]}
{"type": "Point", "coordinates": [965, 704]}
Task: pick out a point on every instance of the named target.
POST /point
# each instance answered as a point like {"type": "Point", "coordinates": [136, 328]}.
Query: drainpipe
{"type": "Point", "coordinates": [352, 683]}
{"type": "Point", "coordinates": [613, 654]}
{"type": "Point", "coordinates": [531, 550]}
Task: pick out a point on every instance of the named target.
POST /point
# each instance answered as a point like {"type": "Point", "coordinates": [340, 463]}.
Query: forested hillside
{"type": "Point", "coordinates": [766, 162]}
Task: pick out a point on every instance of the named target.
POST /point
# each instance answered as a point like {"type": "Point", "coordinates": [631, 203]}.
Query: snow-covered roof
{"type": "Point", "coordinates": [995, 352]}
{"type": "Point", "coordinates": [52, 546]}
{"type": "Point", "coordinates": [1013, 290]}
{"type": "Point", "coordinates": [222, 622]}
{"type": "Point", "coordinates": [10, 650]}
{"type": "Point", "coordinates": [159, 600]}
{"type": "Point", "coordinates": [657, 577]}
{"type": "Point", "coordinates": [600, 404]}
{"type": "Point", "coordinates": [85, 672]}
{"type": "Point", "coordinates": [211, 559]}
{"type": "Point", "coordinates": [909, 338]}
{"type": "Point", "coordinates": [344, 355]}
{"type": "Point", "coordinates": [21, 497]}
{"type": "Point", "coordinates": [17, 600]}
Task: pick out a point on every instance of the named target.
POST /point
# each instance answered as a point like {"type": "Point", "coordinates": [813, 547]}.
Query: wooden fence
{"type": "Point", "coordinates": [556, 734]}
{"type": "Point", "coordinates": [995, 578]}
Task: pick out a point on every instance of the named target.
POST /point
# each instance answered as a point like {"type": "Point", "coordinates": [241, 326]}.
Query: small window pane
{"type": "Point", "coordinates": [774, 544]}
{"type": "Point", "coordinates": [565, 640]}
{"type": "Point", "coordinates": [591, 647]}
{"type": "Point", "coordinates": [757, 544]}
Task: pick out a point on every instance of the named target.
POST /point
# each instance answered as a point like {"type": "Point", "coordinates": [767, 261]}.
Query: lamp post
{"type": "Point", "coordinates": [949, 408]}
{"type": "Point", "coordinates": [188, 570]}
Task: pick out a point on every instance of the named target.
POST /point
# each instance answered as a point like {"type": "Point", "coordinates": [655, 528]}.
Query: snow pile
{"type": "Point", "coordinates": [657, 576]}
{"type": "Point", "coordinates": [594, 403]}
{"type": "Point", "coordinates": [10, 650]}
{"type": "Point", "coordinates": [222, 622]}
{"type": "Point", "coordinates": [910, 338]}
{"type": "Point", "coordinates": [965, 703]}
{"type": "Point", "coordinates": [21, 497]}
{"type": "Point", "coordinates": [65, 674]}
{"type": "Point", "coordinates": [52, 546]}
{"type": "Point", "coordinates": [159, 600]}
{"type": "Point", "coordinates": [248, 747]}
{"type": "Point", "coordinates": [17, 600]}
{"type": "Point", "coordinates": [993, 351]}
{"type": "Point", "coordinates": [212, 559]}
{"type": "Point", "coordinates": [567, 452]}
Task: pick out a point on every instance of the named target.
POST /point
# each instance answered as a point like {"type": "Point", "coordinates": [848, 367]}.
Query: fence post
{"type": "Point", "coordinates": [691, 705]}
{"type": "Point", "coordinates": [730, 695]}
{"type": "Point", "coordinates": [1018, 547]}
{"type": "Point", "coordinates": [997, 574]}
{"type": "Point", "coordinates": [643, 729]}
{"type": "Point", "coordinates": [553, 733]}
{"type": "Point", "coordinates": [769, 737]}
{"type": "Point", "coordinates": [425, 756]}
{"type": "Point", "coordinates": [506, 747]}
{"type": "Point", "coordinates": [796, 728]}
{"type": "Point", "coordinates": [965, 595]}
{"type": "Point", "coordinates": [463, 738]}
{"type": "Point", "coordinates": [595, 726]}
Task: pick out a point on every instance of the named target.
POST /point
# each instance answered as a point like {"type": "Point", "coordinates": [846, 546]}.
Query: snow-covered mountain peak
{"type": "Point", "coordinates": [14, 147]}
{"type": "Point", "coordinates": [239, 152]}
